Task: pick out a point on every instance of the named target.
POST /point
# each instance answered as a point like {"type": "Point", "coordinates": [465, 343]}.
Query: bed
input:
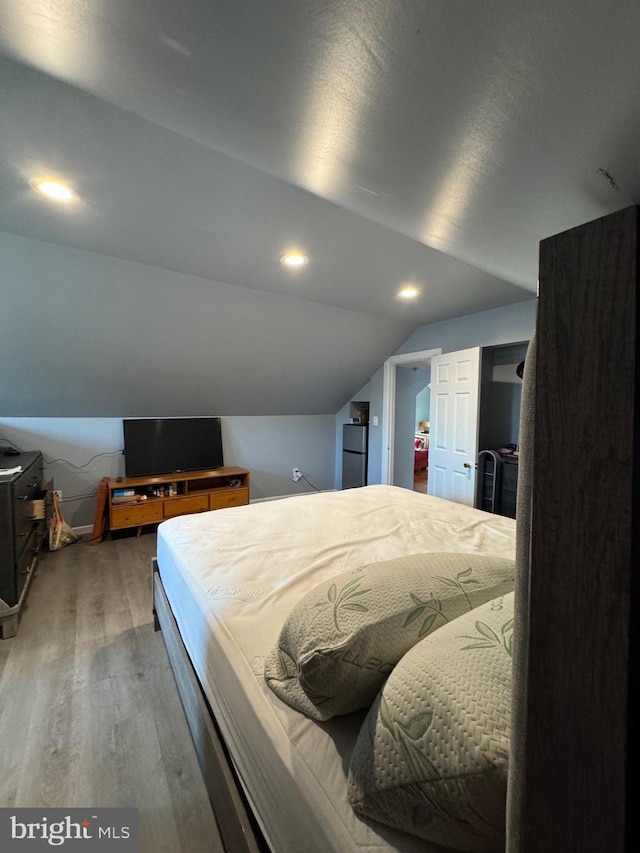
{"type": "Point", "coordinates": [229, 579]}
{"type": "Point", "coordinates": [573, 728]}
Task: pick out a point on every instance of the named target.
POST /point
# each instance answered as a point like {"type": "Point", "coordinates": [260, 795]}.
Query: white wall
{"type": "Point", "coordinates": [270, 447]}
{"type": "Point", "coordinates": [89, 335]}
{"type": "Point", "coordinates": [423, 405]}
{"type": "Point", "coordinates": [509, 324]}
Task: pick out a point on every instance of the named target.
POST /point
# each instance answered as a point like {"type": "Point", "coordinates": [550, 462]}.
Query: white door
{"type": "Point", "coordinates": [453, 431]}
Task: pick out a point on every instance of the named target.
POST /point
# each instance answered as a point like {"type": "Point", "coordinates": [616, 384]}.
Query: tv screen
{"type": "Point", "coordinates": [167, 445]}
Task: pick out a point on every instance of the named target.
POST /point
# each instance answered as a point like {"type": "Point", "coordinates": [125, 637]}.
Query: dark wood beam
{"type": "Point", "coordinates": [584, 546]}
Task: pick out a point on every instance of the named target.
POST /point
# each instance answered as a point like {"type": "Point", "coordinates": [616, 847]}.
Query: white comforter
{"type": "Point", "coordinates": [233, 575]}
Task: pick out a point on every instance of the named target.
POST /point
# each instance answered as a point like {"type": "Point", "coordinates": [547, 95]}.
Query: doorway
{"type": "Point", "coordinates": [422, 420]}
{"type": "Point", "coordinates": [457, 418]}
{"type": "Point", "coordinates": [410, 454]}
{"type": "Point", "coordinates": [398, 426]}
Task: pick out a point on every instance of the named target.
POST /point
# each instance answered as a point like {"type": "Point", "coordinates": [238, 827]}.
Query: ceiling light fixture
{"type": "Point", "coordinates": [408, 292]}
{"type": "Point", "coordinates": [54, 190]}
{"type": "Point", "coordinates": [294, 259]}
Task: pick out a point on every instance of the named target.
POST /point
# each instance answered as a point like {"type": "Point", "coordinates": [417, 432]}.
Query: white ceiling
{"type": "Point", "coordinates": [156, 197]}
{"type": "Point", "coordinates": [426, 141]}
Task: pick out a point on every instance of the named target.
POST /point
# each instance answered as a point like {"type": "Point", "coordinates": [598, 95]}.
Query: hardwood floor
{"type": "Point", "coordinates": [89, 711]}
{"type": "Point", "coordinates": [420, 481]}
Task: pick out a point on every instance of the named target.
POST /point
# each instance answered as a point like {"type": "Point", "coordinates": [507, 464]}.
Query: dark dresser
{"type": "Point", "coordinates": [22, 528]}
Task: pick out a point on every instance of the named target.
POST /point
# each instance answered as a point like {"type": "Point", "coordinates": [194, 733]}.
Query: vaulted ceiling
{"type": "Point", "coordinates": [431, 142]}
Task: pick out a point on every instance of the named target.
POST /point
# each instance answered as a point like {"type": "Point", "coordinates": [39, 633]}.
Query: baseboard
{"type": "Point", "coordinates": [83, 529]}
{"type": "Point", "coordinates": [281, 497]}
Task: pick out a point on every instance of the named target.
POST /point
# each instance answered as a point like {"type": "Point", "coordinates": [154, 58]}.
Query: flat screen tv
{"type": "Point", "coordinates": [168, 445]}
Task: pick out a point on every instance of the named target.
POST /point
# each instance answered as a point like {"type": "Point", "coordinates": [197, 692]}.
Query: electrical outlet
{"type": "Point", "coordinates": [58, 493]}
{"type": "Point", "coordinates": [297, 473]}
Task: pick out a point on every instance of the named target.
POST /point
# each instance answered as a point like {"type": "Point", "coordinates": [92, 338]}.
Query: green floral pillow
{"type": "Point", "coordinates": [432, 755]}
{"type": "Point", "coordinates": [344, 637]}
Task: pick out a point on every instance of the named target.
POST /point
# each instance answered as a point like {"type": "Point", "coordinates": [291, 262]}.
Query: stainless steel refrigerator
{"type": "Point", "coordinates": [354, 455]}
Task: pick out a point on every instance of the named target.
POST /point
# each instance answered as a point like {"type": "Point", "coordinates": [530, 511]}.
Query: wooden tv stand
{"type": "Point", "coordinates": [167, 495]}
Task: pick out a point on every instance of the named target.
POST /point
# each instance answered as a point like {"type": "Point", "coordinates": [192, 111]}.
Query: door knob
{"type": "Point", "coordinates": [467, 465]}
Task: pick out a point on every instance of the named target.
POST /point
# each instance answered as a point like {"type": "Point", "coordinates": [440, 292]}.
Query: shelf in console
{"type": "Point", "coordinates": [195, 491]}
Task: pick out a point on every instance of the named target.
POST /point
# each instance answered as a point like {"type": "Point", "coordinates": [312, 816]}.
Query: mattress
{"type": "Point", "coordinates": [233, 575]}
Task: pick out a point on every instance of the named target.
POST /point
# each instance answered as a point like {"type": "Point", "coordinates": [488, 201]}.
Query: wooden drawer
{"type": "Point", "coordinates": [234, 497]}
{"type": "Point", "coordinates": [183, 506]}
{"type": "Point", "coordinates": [198, 491]}
{"type": "Point", "coordinates": [134, 515]}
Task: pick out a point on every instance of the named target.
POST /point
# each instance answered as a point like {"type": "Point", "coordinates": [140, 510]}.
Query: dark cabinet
{"type": "Point", "coordinates": [508, 486]}
{"type": "Point", "coordinates": [21, 532]}
{"type": "Point", "coordinates": [497, 482]}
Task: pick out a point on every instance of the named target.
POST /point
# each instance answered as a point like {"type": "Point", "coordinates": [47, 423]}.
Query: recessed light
{"type": "Point", "coordinates": [294, 259]}
{"type": "Point", "coordinates": [54, 190]}
{"type": "Point", "coordinates": [408, 292]}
